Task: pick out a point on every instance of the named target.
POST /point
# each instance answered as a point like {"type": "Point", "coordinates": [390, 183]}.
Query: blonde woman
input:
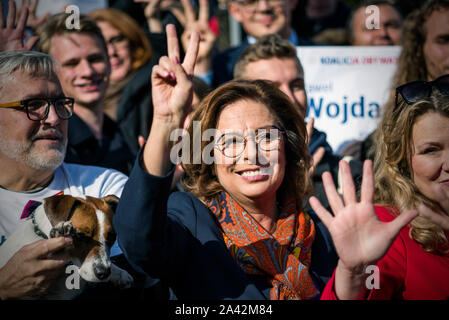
{"type": "Point", "coordinates": [411, 252]}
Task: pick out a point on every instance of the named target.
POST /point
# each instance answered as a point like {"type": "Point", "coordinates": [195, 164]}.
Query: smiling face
{"type": "Point", "coordinates": [36, 144]}
{"type": "Point", "coordinates": [118, 49]}
{"type": "Point", "coordinates": [85, 68]}
{"type": "Point", "coordinates": [254, 176]}
{"type": "Point", "coordinates": [430, 159]}
{"type": "Point", "coordinates": [264, 17]}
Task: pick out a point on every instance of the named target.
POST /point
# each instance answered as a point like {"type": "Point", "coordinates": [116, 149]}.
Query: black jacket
{"type": "Point", "coordinates": [135, 108]}
{"type": "Point", "coordinates": [111, 152]}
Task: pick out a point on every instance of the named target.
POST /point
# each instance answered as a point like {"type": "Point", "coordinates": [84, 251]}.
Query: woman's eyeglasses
{"type": "Point", "coordinates": [232, 144]}
{"type": "Point", "coordinates": [418, 90]}
{"type": "Point", "coordinates": [37, 109]}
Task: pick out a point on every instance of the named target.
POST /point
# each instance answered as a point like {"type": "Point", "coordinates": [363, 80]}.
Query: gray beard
{"type": "Point", "coordinates": [31, 158]}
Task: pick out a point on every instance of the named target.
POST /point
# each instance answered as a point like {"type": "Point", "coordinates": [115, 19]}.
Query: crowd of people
{"type": "Point", "coordinates": [255, 204]}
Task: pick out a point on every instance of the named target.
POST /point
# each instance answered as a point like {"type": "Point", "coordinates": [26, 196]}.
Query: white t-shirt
{"type": "Point", "coordinates": [71, 179]}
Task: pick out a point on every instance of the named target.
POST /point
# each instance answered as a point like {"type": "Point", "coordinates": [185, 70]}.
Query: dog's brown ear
{"type": "Point", "coordinates": [59, 208]}
{"type": "Point", "coordinates": [111, 201]}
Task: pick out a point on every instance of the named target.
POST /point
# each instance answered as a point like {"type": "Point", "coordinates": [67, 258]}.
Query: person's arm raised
{"type": "Point", "coordinates": [358, 235]}
{"type": "Point", "coordinates": [172, 93]}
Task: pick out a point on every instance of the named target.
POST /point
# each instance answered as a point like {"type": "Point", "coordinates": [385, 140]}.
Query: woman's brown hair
{"type": "Point", "coordinates": [140, 47]}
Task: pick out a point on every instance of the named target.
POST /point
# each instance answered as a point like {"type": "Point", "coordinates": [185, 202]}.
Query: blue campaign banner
{"type": "Point", "coordinates": [346, 88]}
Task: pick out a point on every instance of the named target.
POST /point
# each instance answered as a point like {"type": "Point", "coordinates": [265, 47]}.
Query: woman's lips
{"type": "Point", "coordinates": [251, 175]}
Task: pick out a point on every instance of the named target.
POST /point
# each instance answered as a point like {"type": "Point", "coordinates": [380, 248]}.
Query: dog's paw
{"type": "Point", "coordinates": [62, 229]}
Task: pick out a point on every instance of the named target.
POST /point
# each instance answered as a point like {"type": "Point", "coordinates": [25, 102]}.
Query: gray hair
{"type": "Point", "coordinates": [34, 63]}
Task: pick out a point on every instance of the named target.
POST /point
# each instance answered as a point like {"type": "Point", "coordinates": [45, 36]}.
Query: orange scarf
{"type": "Point", "coordinates": [282, 257]}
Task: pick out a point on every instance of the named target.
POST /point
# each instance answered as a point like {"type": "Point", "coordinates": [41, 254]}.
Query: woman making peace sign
{"type": "Point", "coordinates": [240, 233]}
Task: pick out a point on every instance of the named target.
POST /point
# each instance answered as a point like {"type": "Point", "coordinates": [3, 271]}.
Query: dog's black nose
{"type": "Point", "coordinates": [101, 271]}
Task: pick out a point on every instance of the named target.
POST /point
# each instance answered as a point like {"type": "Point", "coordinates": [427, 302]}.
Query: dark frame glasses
{"type": "Point", "coordinates": [418, 90]}
{"type": "Point", "coordinates": [63, 107]}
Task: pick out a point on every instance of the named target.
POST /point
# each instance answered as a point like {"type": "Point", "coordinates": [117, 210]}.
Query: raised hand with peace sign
{"type": "Point", "coordinates": [172, 92]}
{"type": "Point", "coordinates": [207, 37]}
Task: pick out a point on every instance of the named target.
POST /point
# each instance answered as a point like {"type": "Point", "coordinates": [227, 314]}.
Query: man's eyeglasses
{"type": "Point", "coordinates": [37, 109]}
{"type": "Point", "coordinates": [254, 3]}
{"type": "Point", "coordinates": [232, 144]}
{"type": "Point", "coordinates": [418, 90]}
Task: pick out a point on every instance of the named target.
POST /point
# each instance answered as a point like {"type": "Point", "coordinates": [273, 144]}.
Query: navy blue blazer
{"type": "Point", "coordinates": [176, 239]}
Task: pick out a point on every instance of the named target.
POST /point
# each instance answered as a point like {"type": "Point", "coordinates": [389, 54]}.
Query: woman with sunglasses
{"type": "Point", "coordinates": [398, 248]}
{"type": "Point", "coordinates": [240, 233]}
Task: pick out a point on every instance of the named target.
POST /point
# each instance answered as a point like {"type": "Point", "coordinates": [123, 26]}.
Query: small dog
{"type": "Point", "coordinates": [89, 222]}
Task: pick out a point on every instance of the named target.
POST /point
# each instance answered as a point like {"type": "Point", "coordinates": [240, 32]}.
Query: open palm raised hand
{"type": "Point", "coordinates": [359, 236]}
{"type": "Point", "coordinates": [172, 88]}
{"type": "Point", "coordinates": [12, 33]}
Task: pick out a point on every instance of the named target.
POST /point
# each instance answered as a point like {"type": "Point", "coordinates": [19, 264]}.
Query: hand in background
{"type": "Point", "coordinates": [11, 35]}
{"type": "Point", "coordinates": [152, 11]}
{"type": "Point", "coordinates": [32, 20]}
{"type": "Point", "coordinates": [201, 26]}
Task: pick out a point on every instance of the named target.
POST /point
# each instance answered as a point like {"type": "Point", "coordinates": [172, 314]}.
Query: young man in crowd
{"type": "Point", "coordinates": [93, 138]}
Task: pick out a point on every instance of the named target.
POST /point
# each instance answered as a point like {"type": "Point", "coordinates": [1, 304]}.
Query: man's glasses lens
{"type": "Point", "coordinates": [38, 109]}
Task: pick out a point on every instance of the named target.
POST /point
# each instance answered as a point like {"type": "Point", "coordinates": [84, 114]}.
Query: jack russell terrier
{"type": "Point", "coordinates": [89, 222]}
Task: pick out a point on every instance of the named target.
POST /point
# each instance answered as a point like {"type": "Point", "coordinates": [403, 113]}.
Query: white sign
{"type": "Point", "coordinates": [346, 88]}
